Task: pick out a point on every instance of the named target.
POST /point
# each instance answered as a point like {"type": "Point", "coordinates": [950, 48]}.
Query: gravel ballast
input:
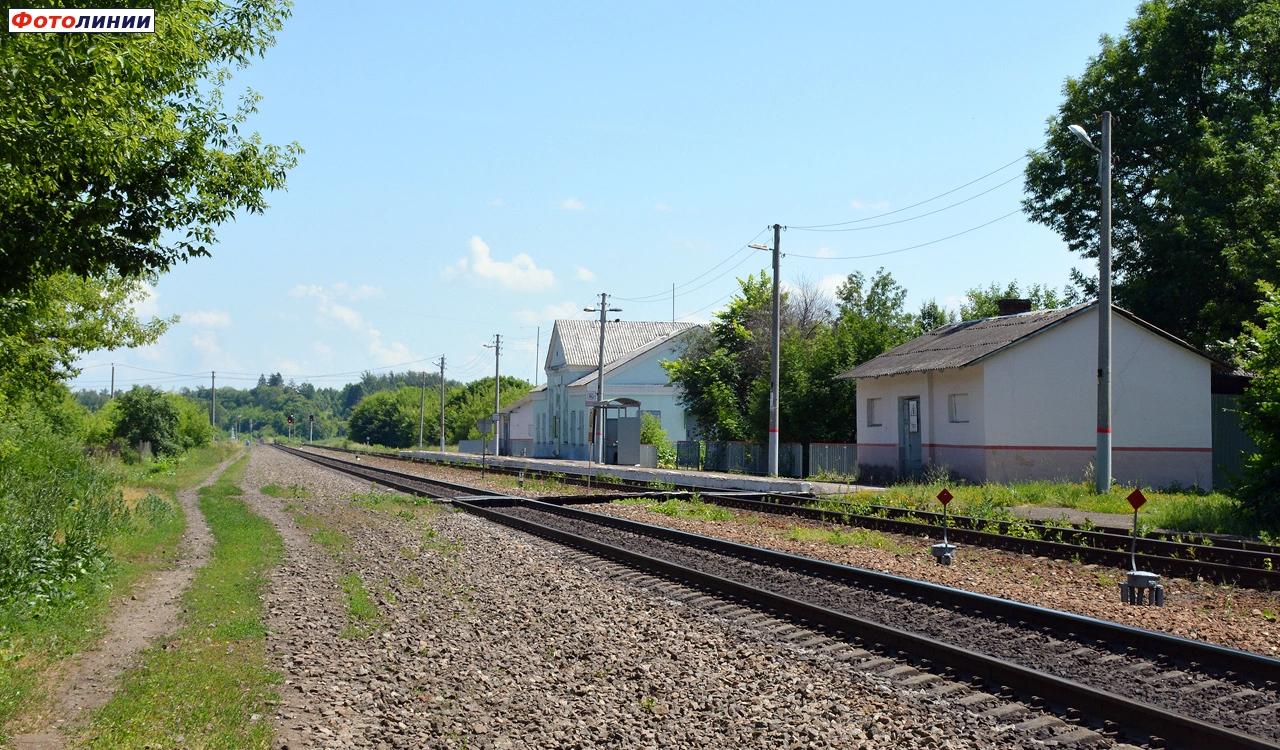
{"type": "Point", "coordinates": [486, 637]}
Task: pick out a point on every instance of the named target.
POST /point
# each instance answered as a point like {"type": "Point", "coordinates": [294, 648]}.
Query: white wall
{"type": "Point", "coordinates": [1042, 394]}
{"type": "Point", "coordinates": [941, 440]}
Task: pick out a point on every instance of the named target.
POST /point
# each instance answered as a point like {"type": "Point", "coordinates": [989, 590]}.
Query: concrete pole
{"type": "Point", "coordinates": [442, 403]}
{"type": "Point", "coordinates": [1102, 468]}
{"type": "Point", "coordinates": [422, 410]}
{"type": "Point", "coordinates": [497, 394]}
{"type": "Point", "coordinates": [537, 349]}
{"type": "Point", "coordinates": [213, 399]}
{"type": "Point", "coordinates": [604, 315]}
{"type": "Point", "coordinates": [776, 375]}
{"type": "Point", "coordinates": [113, 380]}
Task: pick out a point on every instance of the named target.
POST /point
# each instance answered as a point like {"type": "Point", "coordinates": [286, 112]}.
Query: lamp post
{"type": "Point", "coordinates": [1102, 465]}
{"type": "Point", "coordinates": [604, 310]}
{"type": "Point", "coordinates": [775, 374]}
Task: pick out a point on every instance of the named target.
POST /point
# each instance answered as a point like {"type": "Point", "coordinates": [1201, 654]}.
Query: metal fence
{"type": "Point", "coordinates": [838, 459]}
{"type": "Point", "coordinates": [738, 457]}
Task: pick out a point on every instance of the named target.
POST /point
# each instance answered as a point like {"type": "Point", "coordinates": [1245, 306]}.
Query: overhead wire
{"type": "Point", "coordinates": [975, 196]}
{"type": "Point", "coordinates": [944, 194]}
{"type": "Point", "coordinates": [666, 293]}
{"type": "Point", "coordinates": [909, 247]}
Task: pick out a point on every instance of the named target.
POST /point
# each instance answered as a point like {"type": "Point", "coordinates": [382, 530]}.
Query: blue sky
{"type": "Point", "coordinates": [481, 168]}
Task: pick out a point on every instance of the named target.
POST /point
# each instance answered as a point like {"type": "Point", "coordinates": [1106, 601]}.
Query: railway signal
{"type": "Point", "coordinates": [944, 553]}
{"type": "Point", "coordinates": [1140, 586]}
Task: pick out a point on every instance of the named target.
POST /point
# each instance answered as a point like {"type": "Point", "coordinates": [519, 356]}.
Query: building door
{"type": "Point", "coordinates": [909, 436]}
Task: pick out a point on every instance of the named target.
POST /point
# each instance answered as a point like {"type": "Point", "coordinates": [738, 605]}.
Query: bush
{"type": "Point", "coordinates": [56, 507]}
{"type": "Point", "coordinates": [193, 429]}
{"type": "Point", "coordinates": [387, 418]}
{"type": "Point", "coordinates": [145, 414]}
{"type": "Point", "coordinates": [651, 433]}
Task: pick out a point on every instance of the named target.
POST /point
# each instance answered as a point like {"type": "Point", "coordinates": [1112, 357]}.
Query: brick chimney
{"type": "Point", "coordinates": [1014, 306]}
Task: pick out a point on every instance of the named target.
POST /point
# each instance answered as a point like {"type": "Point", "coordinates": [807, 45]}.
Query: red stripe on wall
{"type": "Point", "coordinates": [1065, 448]}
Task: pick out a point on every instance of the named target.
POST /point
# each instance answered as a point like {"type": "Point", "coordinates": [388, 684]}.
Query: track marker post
{"type": "Point", "coordinates": [944, 553]}
{"type": "Point", "coordinates": [1140, 586]}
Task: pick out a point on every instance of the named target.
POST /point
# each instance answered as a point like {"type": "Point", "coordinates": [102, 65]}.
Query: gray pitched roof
{"type": "Point", "coordinates": [580, 339]}
{"type": "Point", "coordinates": [622, 361]}
{"type": "Point", "coordinates": [963, 344]}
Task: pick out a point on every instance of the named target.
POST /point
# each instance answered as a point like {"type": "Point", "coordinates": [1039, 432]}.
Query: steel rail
{"type": "Point", "coordinates": [409, 483]}
{"type": "Point", "coordinates": [1065, 693]}
{"type": "Point", "coordinates": [1250, 569]}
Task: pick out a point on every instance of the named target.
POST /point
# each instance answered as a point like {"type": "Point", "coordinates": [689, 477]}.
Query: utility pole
{"type": "Point", "coordinates": [442, 403]}
{"type": "Point", "coordinates": [604, 311]}
{"type": "Point", "coordinates": [113, 380]}
{"type": "Point", "coordinates": [537, 350]}
{"type": "Point", "coordinates": [775, 375]}
{"type": "Point", "coordinates": [422, 410]}
{"type": "Point", "coordinates": [497, 392]}
{"type": "Point", "coordinates": [673, 302]}
{"type": "Point", "coordinates": [213, 399]}
{"type": "Point", "coordinates": [1103, 470]}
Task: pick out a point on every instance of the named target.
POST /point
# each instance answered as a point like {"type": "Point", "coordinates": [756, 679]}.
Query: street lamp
{"type": "Point", "coordinates": [775, 376]}
{"type": "Point", "coordinates": [1102, 468]}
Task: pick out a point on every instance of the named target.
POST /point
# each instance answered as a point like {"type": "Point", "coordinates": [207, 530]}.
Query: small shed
{"type": "Point", "coordinates": [1014, 398]}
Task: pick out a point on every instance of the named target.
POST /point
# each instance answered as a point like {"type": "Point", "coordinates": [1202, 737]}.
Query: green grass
{"type": "Point", "coordinates": [31, 645]}
{"type": "Point", "coordinates": [205, 686]}
{"type": "Point", "coordinates": [295, 491]}
{"type": "Point", "coordinates": [1169, 509]}
{"type": "Point", "coordinates": [169, 475]}
{"type": "Point", "coordinates": [694, 509]}
{"type": "Point", "coordinates": [852, 537]}
{"type": "Point", "coordinates": [361, 609]}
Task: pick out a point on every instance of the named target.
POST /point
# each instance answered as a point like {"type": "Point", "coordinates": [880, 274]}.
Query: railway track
{"type": "Point", "coordinates": [1152, 688]}
{"type": "Point", "coordinates": [1247, 564]}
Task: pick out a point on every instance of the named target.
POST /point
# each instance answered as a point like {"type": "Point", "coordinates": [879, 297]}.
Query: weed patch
{"type": "Point", "coordinates": [295, 491]}
{"type": "Point", "coordinates": [361, 609]}
{"type": "Point", "coordinates": [852, 537]}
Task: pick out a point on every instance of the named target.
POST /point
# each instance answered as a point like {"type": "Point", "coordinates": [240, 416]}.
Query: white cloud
{"type": "Point", "coordinates": [829, 284]}
{"type": "Point", "coordinates": [520, 273]}
{"type": "Point", "coordinates": [825, 252]}
{"type": "Point", "coordinates": [859, 205]}
{"type": "Point", "coordinates": [497, 203]}
{"type": "Point", "coordinates": [322, 349]}
{"type": "Point", "coordinates": [558, 311]}
{"type": "Point", "coordinates": [662, 208]}
{"type": "Point", "coordinates": [383, 352]}
{"type": "Point", "coordinates": [584, 274]}
{"type": "Point", "coordinates": [572, 204]}
{"type": "Point", "coordinates": [207, 318]}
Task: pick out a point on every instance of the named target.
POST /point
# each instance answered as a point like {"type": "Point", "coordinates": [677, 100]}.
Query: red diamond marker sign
{"type": "Point", "coordinates": [945, 496]}
{"type": "Point", "coordinates": [1136, 499]}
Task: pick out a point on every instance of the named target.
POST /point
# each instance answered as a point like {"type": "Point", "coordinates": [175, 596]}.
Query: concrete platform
{"type": "Point", "coordinates": [702, 479]}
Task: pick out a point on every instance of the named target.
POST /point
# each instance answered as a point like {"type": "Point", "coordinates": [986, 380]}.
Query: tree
{"type": "Point", "coordinates": [44, 330]}
{"type": "Point", "coordinates": [983, 302]}
{"type": "Point", "coordinates": [387, 418]}
{"type": "Point", "coordinates": [145, 414]}
{"type": "Point", "coordinates": [119, 154]}
{"type": "Point", "coordinates": [1197, 157]}
{"type": "Point", "coordinates": [933, 316]}
{"type": "Point", "coordinates": [1259, 353]}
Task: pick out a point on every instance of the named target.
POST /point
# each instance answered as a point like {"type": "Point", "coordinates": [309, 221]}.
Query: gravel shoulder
{"type": "Point", "coordinates": [1226, 615]}
{"type": "Point", "coordinates": [484, 637]}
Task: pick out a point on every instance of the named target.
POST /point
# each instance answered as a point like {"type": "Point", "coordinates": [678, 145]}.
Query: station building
{"type": "Point", "coordinates": [1014, 398]}
{"type": "Point", "coordinates": [554, 419]}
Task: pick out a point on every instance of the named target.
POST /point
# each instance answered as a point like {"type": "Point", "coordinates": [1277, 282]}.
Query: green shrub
{"type": "Point", "coordinates": [56, 508]}
{"type": "Point", "coordinates": [651, 433]}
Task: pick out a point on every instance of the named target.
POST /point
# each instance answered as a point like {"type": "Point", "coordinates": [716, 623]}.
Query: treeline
{"type": "Point", "coordinates": [392, 417]}
{"type": "Point", "coordinates": [724, 371]}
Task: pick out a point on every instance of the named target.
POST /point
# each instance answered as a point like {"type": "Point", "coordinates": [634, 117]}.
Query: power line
{"type": "Point", "coordinates": [665, 293]}
{"type": "Point", "coordinates": [975, 196]}
{"type": "Point", "coordinates": [920, 203]}
{"type": "Point", "coordinates": [910, 247]}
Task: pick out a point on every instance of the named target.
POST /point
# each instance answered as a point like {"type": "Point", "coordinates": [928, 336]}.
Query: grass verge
{"type": "Point", "coordinates": [1177, 510]}
{"type": "Point", "coordinates": [849, 537]}
{"type": "Point", "coordinates": [30, 647]}
{"type": "Point", "coordinates": [695, 508]}
{"type": "Point", "coordinates": [210, 685]}
{"type": "Point", "coordinates": [295, 491]}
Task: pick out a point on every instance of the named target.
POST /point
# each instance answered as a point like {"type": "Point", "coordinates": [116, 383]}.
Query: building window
{"type": "Point", "coordinates": [958, 407]}
{"type": "Point", "coordinates": [873, 412]}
